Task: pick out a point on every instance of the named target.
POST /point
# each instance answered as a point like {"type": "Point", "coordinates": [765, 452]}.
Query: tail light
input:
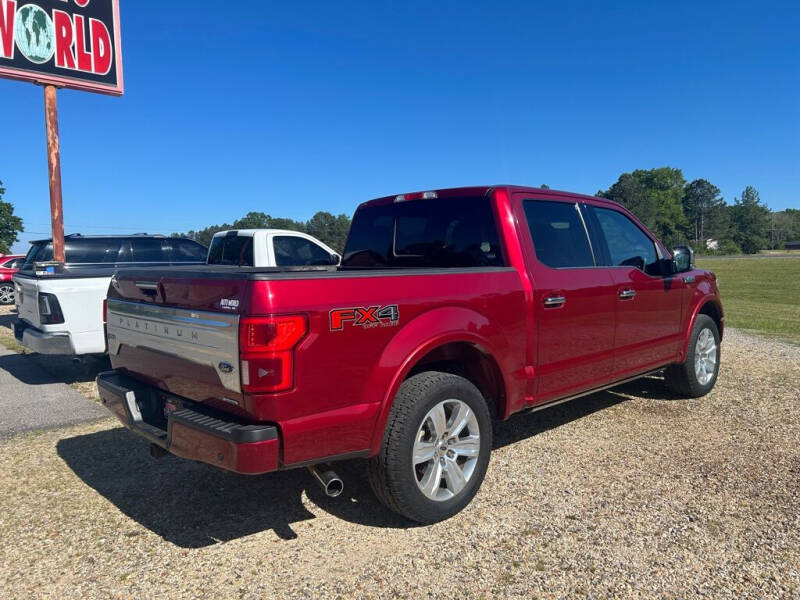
{"type": "Point", "coordinates": [49, 309]}
{"type": "Point", "coordinates": [266, 350]}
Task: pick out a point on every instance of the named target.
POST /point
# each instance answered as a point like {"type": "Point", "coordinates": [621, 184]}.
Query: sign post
{"type": "Point", "coordinates": [54, 169]}
{"type": "Point", "coordinates": [71, 44]}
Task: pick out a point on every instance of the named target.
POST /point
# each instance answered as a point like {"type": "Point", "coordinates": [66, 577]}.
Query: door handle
{"type": "Point", "coordinates": [627, 294]}
{"type": "Point", "coordinates": [554, 301]}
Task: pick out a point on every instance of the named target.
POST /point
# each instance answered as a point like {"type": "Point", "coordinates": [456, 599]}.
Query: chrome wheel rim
{"type": "Point", "coordinates": [6, 294]}
{"type": "Point", "coordinates": [446, 450]}
{"type": "Point", "coordinates": [705, 357]}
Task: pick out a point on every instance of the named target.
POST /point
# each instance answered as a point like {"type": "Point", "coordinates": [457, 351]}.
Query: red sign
{"type": "Point", "coordinates": [67, 43]}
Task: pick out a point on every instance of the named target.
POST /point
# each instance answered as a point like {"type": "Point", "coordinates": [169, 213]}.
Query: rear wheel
{"type": "Point", "coordinates": [435, 449]}
{"type": "Point", "coordinates": [6, 293]}
{"type": "Point", "coordinates": [697, 375]}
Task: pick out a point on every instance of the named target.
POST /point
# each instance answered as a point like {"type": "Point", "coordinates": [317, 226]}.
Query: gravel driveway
{"type": "Point", "coordinates": [627, 493]}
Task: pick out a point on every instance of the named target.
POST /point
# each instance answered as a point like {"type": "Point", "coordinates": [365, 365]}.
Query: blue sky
{"type": "Point", "coordinates": [290, 108]}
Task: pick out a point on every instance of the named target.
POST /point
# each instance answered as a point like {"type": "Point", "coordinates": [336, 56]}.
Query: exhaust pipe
{"type": "Point", "coordinates": [328, 480]}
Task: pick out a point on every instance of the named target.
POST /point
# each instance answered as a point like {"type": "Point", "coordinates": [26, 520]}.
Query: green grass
{"type": "Point", "coordinates": [761, 295]}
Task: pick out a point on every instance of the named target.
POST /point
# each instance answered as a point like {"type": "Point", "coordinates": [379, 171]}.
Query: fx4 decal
{"type": "Point", "coordinates": [373, 316]}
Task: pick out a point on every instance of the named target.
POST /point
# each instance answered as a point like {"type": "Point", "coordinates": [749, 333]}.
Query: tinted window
{"type": "Point", "coordinates": [559, 236]}
{"type": "Point", "coordinates": [187, 251]}
{"type": "Point", "coordinates": [231, 250]}
{"type": "Point", "coordinates": [447, 232]}
{"type": "Point", "coordinates": [627, 244]}
{"type": "Point", "coordinates": [14, 263]}
{"type": "Point", "coordinates": [38, 252]}
{"type": "Point", "coordinates": [90, 251]}
{"type": "Point", "coordinates": [296, 251]}
{"type": "Point", "coordinates": [147, 250]}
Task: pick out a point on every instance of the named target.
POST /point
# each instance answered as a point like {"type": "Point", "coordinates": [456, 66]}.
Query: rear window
{"type": "Point", "coordinates": [231, 250]}
{"type": "Point", "coordinates": [439, 233]}
{"type": "Point", "coordinates": [187, 251]}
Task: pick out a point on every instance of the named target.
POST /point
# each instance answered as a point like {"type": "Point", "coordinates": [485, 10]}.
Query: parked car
{"type": "Point", "coordinates": [61, 305]}
{"type": "Point", "coordinates": [449, 307]}
{"type": "Point", "coordinates": [9, 264]}
{"type": "Point", "coordinates": [269, 248]}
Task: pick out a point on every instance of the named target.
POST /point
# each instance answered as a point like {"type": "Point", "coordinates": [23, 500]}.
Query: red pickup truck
{"type": "Point", "coordinates": [449, 308]}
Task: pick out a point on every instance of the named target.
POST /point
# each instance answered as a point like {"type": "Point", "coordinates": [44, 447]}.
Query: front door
{"type": "Point", "coordinates": [649, 303]}
{"type": "Point", "coordinates": [574, 302]}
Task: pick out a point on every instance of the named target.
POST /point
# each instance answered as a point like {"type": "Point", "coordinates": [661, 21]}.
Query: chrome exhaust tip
{"type": "Point", "coordinates": [330, 482]}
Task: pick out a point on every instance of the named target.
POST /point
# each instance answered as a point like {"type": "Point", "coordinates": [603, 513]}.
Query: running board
{"type": "Point", "coordinates": [539, 407]}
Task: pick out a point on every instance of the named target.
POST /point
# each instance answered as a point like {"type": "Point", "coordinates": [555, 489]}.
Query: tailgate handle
{"type": "Point", "coordinates": [147, 285]}
{"type": "Point", "coordinates": [554, 301]}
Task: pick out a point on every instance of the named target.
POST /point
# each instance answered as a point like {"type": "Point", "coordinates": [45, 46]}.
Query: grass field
{"type": "Point", "coordinates": [761, 295]}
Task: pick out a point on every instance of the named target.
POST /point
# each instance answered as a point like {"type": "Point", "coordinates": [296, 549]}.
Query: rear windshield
{"type": "Point", "coordinates": [441, 233]}
{"type": "Point", "coordinates": [231, 250]}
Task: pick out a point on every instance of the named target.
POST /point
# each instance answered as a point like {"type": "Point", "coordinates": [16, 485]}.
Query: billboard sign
{"type": "Point", "coordinates": [66, 43]}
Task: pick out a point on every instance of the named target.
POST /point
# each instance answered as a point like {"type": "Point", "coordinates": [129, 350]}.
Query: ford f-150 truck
{"type": "Point", "coordinates": [450, 307]}
{"type": "Point", "coordinates": [269, 248]}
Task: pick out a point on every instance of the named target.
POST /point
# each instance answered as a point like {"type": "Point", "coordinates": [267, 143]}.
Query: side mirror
{"type": "Point", "coordinates": [682, 259]}
{"type": "Point", "coordinates": [335, 259]}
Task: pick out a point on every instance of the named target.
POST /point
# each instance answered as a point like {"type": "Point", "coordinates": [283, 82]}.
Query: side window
{"type": "Point", "coordinates": [147, 250]}
{"type": "Point", "coordinates": [187, 251]}
{"type": "Point", "coordinates": [92, 251]}
{"type": "Point", "coordinates": [293, 251]}
{"type": "Point", "coordinates": [559, 236]}
{"type": "Point", "coordinates": [627, 244]}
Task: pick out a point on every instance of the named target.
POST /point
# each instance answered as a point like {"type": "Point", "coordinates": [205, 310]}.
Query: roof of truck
{"type": "Point", "coordinates": [481, 190]}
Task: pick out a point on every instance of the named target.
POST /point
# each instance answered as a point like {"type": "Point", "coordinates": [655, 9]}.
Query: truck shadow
{"type": "Point", "coordinates": [193, 505]}
{"type": "Point", "coordinates": [38, 369]}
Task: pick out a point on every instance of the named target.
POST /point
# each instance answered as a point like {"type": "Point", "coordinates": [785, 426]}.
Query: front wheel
{"type": "Point", "coordinates": [697, 375]}
{"type": "Point", "coordinates": [6, 293]}
{"type": "Point", "coordinates": [435, 449]}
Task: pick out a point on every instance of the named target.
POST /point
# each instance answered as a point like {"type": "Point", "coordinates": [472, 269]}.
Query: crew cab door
{"type": "Point", "coordinates": [649, 299]}
{"type": "Point", "coordinates": [573, 301]}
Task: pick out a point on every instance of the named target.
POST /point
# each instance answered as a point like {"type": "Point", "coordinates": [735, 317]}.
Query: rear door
{"type": "Point", "coordinates": [574, 301]}
{"type": "Point", "coordinates": [649, 304]}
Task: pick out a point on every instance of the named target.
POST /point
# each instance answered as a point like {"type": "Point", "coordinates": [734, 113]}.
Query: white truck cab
{"type": "Point", "coordinates": [269, 248]}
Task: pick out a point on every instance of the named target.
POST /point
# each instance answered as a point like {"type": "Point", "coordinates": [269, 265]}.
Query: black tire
{"type": "Point", "coordinates": [6, 293]}
{"type": "Point", "coordinates": [392, 474]}
{"type": "Point", "coordinates": [682, 378]}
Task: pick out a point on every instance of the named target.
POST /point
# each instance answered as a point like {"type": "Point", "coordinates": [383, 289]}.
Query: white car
{"type": "Point", "coordinates": [60, 306]}
{"type": "Point", "coordinates": [269, 248]}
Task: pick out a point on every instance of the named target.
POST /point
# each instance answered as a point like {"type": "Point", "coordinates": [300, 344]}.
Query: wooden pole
{"type": "Point", "coordinates": [54, 166]}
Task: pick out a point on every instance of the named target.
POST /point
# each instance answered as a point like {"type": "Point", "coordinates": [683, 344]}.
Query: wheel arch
{"type": "Point", "coordinates": [456, 340]}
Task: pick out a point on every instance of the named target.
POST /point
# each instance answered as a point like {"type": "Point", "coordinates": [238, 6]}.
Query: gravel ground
{"type": "Point", "coordinates": [628, 493]}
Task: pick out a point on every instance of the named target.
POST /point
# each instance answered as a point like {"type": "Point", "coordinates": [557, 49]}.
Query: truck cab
{"type": "Point", "coordinates": [269, 248]}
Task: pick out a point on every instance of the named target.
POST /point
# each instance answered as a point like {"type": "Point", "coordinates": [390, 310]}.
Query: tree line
{"type": "Point", "coordinates": [695, 213]}
{"type": "Point", "coordinates": [677, 211]}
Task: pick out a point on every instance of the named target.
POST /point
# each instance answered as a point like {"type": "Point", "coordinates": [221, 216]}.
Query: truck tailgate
{"type": "Point", "coordinates": [189, 352]}
{"type": "Point", "coordinates": [27, 299]}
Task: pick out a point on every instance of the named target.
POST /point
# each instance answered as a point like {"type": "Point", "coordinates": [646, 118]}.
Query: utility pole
{"type": "Point", "coordinates": [54, 168]}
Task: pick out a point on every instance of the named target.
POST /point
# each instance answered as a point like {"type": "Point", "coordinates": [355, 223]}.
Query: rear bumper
{"type": "Point", "coordinates": [192, 431]}
{"type": "Point", "coordinates": [41, 341]}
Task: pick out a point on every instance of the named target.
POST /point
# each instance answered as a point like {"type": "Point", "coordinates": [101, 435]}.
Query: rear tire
{"type": "Point", "coordinates": [435, 448]}
{"type": "Point", "coordinates": [6, 293]}
{"type": "Point", "coordinates": [697, 375]}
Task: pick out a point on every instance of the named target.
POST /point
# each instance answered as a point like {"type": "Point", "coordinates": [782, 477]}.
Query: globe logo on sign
{"type": "Point", "coordinates": [35, 34]}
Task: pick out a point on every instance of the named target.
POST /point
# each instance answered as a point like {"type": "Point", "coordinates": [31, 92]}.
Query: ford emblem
{"type": "Point", "coordinates": [226, 367]}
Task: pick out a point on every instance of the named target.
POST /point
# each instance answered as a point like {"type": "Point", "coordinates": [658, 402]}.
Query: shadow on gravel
{"type": "Point", "coordinates": [194, 505]}
{"type": "Point", "coordinates": [38, 369]}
